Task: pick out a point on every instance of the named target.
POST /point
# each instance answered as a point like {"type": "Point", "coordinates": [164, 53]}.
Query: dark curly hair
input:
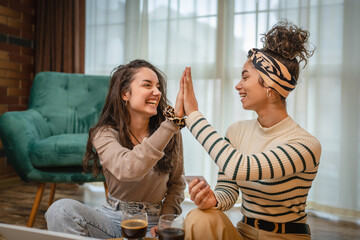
{"type": "Point", "coordinates": [288, 43]}
{"type": "Point", "coordinates": [115, 115]}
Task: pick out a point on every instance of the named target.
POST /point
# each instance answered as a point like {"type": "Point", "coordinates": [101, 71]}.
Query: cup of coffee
{"type": "Point", "coordinates": [134, 223]}
{"type": "Point", "coordinates": [171, 227]}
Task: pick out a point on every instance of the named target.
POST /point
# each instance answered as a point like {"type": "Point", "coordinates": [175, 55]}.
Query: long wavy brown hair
{"type": "Point", "coordinates": [116, 116]}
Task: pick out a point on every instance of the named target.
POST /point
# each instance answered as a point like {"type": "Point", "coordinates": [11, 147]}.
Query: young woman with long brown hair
{"type": "Point", "coordinates": [140, 152]}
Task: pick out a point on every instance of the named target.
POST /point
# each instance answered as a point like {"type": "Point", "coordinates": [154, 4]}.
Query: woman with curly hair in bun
{"type": "Point", "coordinates": [271, 159]}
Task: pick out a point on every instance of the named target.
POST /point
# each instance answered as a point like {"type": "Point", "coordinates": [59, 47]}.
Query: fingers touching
{"type": "Point", "coordinates": [179, 104]}
{"type": "Point", "coordinates": [186, 101]}
{"type": "Point", "coordinates": [190, 102]}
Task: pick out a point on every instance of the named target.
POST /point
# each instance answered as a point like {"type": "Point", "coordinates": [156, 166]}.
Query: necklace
{"type": "Point", "coordinates": [134, 137]}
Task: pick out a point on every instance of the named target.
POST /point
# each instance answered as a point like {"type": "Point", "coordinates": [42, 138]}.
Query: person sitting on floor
{"type": "Point", "coordinates": [140, 152]}
{"type": "Point", "coordinates": [271, 159]}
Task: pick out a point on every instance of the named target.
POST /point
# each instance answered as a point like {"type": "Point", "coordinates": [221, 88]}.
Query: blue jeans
{"type": "Point", "coordinates": [71, 216]}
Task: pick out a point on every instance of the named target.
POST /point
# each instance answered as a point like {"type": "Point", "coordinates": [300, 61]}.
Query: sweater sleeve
{"type": "Point", "coordinates": [132, 165]}
{"type": "Point", "coordinates": [226, 192]}
{"type": "Point", "coordinates": [176, 185]}
{"type": "Point", "coordinates": [283, 160]}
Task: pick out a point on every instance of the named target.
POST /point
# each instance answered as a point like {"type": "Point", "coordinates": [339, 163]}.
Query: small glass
{"type": "Point", "coordinates": [171, 227]}
{"type": "Point", "coordinates": [134, 223]}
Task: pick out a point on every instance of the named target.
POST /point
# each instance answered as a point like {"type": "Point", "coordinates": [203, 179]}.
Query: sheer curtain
{"type": "Point", "coordinates": [213, 37]}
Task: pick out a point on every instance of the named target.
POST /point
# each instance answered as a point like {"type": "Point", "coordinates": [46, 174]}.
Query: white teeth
{"type": "Point", "coordinates": [151, 102]}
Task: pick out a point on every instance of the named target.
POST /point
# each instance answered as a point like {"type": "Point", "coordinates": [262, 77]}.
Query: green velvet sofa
{"type": "Point", "coordinates": [47, 142]}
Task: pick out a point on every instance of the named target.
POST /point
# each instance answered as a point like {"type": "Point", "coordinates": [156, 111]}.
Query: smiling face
{"type": "Point", "coordinates": [252, 93]}
{"type": "Point", "coordinates": [144, 94]}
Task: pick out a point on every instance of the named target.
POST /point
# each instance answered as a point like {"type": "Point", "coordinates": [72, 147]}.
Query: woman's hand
{"type": "Point", "coordinates": [190, 102]}
{"type": "Point", "coordinates": [154, 231]}
{"type": "Point", "coordinates": [201, 194]}
{"type": "Point", "coordinates": [179, 104]}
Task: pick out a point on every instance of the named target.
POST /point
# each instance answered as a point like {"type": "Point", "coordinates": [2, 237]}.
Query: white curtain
{"type": "Point", "coordinates": [213, 37]}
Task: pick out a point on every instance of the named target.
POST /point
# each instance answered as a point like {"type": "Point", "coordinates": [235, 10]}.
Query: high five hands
{"type": "Point", "coordinates": [186, 102]}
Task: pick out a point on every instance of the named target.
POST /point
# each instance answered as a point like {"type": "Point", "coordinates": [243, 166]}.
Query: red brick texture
{"type": "Point", "coordinates": [17, 52]}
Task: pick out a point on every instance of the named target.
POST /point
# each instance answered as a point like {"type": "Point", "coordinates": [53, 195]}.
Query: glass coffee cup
{"type": "Point", "coordinates": [134, 223]}
{"type": "Point", "coordinates": [171, 227]}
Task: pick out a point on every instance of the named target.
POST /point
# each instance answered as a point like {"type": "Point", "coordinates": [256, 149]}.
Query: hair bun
{"type": "Point", "coordinates": [288, 40]}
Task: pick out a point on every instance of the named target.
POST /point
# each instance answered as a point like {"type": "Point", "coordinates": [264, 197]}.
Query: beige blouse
{"type": "Point", "coordinates": [130, 174]}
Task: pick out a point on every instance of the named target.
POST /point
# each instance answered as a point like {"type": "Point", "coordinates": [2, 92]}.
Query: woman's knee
{"type": "Point", "coordinates": [209, 224]}
{"type": "Point", "coordinates": [61, 209]}
{"type": "Point", "coordinates": [200, 219]}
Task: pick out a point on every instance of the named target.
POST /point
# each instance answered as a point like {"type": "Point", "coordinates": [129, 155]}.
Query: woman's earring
{"type": "Point", "coordinates": [268, 92]}
{"type": "Point", "coordinates": [126, 102]}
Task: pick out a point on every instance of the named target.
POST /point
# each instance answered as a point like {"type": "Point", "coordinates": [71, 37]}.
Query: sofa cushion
{"type": "Point", "coordinates": [59, 151]}
{"type": "Point", "coordinates": [69, 102]}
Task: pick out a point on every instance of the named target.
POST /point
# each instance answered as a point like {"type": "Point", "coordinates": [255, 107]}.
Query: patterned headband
{"type": "Point", "coordinates": [273, 72]}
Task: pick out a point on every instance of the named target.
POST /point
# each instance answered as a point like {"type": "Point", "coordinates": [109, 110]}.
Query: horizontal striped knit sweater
{"type": "Point", "coordinates": [273, 167]}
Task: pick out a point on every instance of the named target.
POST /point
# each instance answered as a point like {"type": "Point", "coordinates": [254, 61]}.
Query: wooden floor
{"type": "Point", "coordinates": [16, 200]}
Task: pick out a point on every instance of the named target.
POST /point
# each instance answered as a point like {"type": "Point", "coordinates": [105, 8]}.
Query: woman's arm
{"type": "Point", "coordinates": [223, 197]}
{"type": "Point", "coordinates": [132, 165]}
{"type": "Point", "coordinates": [226, 192]}
{"type": "Point", "coordinates": [283, 160]}
{"type": "Point", "coordinates": [176, 185]}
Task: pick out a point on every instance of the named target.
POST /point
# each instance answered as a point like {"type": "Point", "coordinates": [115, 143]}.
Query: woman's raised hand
{"type": "Point", "coordinates": [186, 102]}
{"type": "Point", "coordinates": [202, 195]}
{"type": "Point", "coordinates": [190, 102]}
{"type": "Point", "coordinates": [179, 104]}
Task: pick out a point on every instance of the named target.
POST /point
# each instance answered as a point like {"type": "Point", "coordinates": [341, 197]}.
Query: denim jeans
{"type": "Point", "coordinates": [71, 216]}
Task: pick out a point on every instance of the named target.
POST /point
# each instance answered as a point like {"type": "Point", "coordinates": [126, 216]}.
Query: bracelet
{"type": "Point", "coordinates": [169, 113]}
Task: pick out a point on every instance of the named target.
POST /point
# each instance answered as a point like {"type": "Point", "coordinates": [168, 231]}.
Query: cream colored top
{"type": "Point", "coordinates": [272, 167]}
{"type": "Point", "coordinates": [130, 174]}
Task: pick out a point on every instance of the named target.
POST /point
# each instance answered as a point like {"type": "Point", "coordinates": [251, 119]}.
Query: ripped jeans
{"type": "Point", "coordinates": [71, 216]}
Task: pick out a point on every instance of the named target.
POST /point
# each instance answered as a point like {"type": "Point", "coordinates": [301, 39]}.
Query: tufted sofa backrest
{"type": "Point", "coordinates": [69, 102]}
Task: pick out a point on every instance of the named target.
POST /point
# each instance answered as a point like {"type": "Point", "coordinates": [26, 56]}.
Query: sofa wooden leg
{"type": "Point", "coordinates": [52, 194]}
{"type": "Point", "coordinates": [36, 204]}
{"type": "Point", "coordinates": [106, 190]}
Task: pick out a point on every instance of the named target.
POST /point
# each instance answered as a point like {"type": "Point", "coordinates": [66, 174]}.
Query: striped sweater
{"type": "Point", "coordinates": [273, 167]}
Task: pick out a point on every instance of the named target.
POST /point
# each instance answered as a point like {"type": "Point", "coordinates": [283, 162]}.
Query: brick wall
{"type": "Point", "coordinates": [17, 42]}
